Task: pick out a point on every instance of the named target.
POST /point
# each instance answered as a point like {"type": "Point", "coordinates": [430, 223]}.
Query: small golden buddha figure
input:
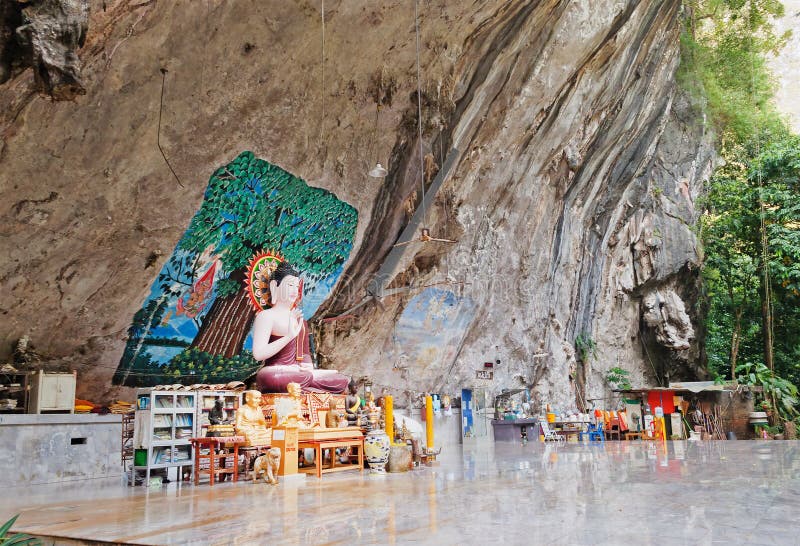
{"type": "Point", "coordinates": [289, 411]}
{"type": "Point", "coordinates": [332, 417]}
{"type": "Point", "coordinates": [250, 421]}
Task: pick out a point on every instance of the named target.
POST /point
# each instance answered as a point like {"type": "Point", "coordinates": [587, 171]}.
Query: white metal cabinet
{"type": "Point", "coordinates": [52, 392]}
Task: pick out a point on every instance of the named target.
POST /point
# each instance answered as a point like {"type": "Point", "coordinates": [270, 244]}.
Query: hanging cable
{"type": "Point", "coordinates": [419, 112]}
{"type": "Point", "coordinates": [158, 135]}
{"type": "Point", "coordinates": [322, 121]}
{"type": "Point", "coordinates": [768, 327]}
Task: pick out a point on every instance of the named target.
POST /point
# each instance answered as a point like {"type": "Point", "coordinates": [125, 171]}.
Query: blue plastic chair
{"type": "Point", "coordinates": [595, 433]}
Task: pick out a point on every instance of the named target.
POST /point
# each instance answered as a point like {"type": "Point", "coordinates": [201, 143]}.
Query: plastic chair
{"type": "Point", "coordinates": [550, 435]}
{"type": "Point", "coordinates": [595, 433]}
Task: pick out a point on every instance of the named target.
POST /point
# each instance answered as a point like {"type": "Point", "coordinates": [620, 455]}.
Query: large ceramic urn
{"type": "Point", "coordinates": [376, 450]}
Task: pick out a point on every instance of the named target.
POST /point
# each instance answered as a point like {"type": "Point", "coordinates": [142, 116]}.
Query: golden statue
{"type": "Point", "coordinates": [289, 411]}
{"type": "Point", "coordinates": [332, 417]}
{"type": "Point", "coordinates": [250, 421]}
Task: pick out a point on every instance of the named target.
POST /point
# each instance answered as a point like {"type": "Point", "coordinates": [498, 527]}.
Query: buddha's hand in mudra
{"type": "Point", "coordinates": [295, 323]}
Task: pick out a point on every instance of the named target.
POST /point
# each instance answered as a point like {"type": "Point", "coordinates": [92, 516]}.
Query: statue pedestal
{"type": "Point", "coordinates": [311, 403]}
{"type": "Point", "coordinates": [285, 439]}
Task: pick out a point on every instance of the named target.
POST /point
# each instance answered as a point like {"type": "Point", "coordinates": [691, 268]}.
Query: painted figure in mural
{"type": "Point", "coordinates": [250, 421]}
{"type": "Point", "coordinates": [201, 291]}
{"type": "Point", "coordinates": [280, 340]}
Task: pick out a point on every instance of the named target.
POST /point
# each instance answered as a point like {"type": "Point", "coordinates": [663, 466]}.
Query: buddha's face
{"type": "Point", "coordinates": [287, 291]}
{"type": "Point", "coordinates": [253, 398]}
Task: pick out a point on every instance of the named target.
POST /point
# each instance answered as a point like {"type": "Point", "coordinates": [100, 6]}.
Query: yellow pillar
{"type": "Point", "coordinates": [388, 407]}
{"type": "Point", "coordinates": [429, 422]}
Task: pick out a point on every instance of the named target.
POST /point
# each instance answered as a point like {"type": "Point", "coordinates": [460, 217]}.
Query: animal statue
{"type": "Point", "coordinates": [268, 464]}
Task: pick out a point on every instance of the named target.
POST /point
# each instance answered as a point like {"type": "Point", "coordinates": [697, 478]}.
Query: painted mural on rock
{"type": "Point", "coordinates": [430, 330]}
{"type": "Point", "coordinates": [194, 327]}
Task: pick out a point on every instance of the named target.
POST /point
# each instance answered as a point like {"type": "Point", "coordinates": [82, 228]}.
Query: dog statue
{"type": "Point", "coordinates": [268, 464]}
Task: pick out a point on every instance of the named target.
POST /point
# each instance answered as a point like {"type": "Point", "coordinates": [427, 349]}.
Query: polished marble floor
{"type": "Point", "coordinates": [723, 492]}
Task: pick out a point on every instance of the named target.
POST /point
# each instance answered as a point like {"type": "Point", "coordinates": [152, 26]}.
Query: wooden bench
{"type": "Point", "coordinates": [319, 446]}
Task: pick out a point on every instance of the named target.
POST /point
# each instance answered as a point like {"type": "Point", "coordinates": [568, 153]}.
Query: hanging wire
{"type": "Point", "coordinates": [375, 131]}
{"type": "Point", "coordinates": [419, 112]}
{"type": "Point", "coordinates": [769, 329]}
{"type": "Point", "coordinates": [158, 135]}
{"type": "Point", "coordinates": [322, 121]}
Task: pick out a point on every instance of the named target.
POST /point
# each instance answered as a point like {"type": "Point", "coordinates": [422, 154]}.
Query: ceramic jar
{"type": "Point", "coordinates": [376, 450]}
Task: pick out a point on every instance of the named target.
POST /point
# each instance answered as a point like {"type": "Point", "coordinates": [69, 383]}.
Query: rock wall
{"type": "Point", "coordinates": [570, 196]}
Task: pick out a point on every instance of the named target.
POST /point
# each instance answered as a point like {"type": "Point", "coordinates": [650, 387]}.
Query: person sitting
{"type": "Point", "coordinates": [250, 421]}
{"type": "Point", "coordinates": [280, 340]}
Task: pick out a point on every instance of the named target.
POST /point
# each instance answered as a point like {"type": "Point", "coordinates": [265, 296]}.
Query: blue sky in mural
{"type": "Point", "coordinates": [430, 328]}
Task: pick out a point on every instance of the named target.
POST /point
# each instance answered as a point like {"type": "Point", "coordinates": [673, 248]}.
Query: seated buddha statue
{"type": "Point", "coordinates": [250, 421]}
{"type": "Point", "coordinates": [280, 340]}
{"type": "Point", "coordinates": [352, 405]}
{"type": "Point", "coordinates": [289, 410]}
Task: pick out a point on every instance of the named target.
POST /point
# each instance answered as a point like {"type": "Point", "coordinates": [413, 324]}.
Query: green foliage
{"type": "Point", "coordinates": [585, 347]}
{"type": "Point", "coordinates": [17, 539]}
{"type": "Point", "coordinates": [618, 378]}
{"type": "Point", "coordinates": [777, 429]}
{"type": "Point", "coordinates": [783, 392]}
{"type": "Point", "coordinates": [735, 254]}
{"type": "Point", "coordinates": [251, 205]}
{"type": "Point", "coordinates": [195, 366]}
{"type": "Point", "coordinates": [724, 48]}
{"type": "Point", "coordinates": [227, 287]}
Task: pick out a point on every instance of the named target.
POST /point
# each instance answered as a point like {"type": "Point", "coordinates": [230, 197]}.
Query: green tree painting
{"type": "Point", "coordinates": [249, 205]}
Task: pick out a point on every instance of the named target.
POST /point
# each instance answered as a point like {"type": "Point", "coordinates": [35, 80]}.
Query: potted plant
{"type": "Point", "coordinates": [17, 539]}
{"type": "Point", "coordinates": [776, 432]}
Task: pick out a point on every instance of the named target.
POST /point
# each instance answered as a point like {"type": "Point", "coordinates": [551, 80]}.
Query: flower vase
{"type": "Point", "coordinates": [376, 450]}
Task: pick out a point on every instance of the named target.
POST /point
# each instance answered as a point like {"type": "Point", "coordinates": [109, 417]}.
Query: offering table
{"type": "Point", "coordinates": [321, 439]}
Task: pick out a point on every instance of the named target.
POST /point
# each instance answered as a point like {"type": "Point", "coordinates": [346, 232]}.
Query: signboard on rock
{"type": "Point", "coordinates": [484, 374]}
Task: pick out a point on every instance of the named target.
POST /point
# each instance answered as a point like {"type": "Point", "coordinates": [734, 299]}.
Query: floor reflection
{"type": "Point", "coordinates": [602, 493]}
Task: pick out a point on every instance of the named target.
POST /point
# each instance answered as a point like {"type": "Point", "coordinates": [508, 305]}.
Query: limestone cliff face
{"type": "Point", "coordinates": [570, 190]}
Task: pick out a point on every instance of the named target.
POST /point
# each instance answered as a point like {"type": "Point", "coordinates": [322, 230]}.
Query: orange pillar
{"type": "Point", "coordinates": [388, 407]}
{"type": "Point", "coordinates": [429, 422]}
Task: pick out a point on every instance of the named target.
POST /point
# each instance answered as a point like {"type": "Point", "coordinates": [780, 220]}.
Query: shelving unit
{"type": "Point", "coordinates": [14, 388]}
{"type": "Point", "coordinates": [165, 421]}
{"type": "Point", "coordinates": [232, 400]}
{"type": "Point", "coordinates": [126, 448]}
